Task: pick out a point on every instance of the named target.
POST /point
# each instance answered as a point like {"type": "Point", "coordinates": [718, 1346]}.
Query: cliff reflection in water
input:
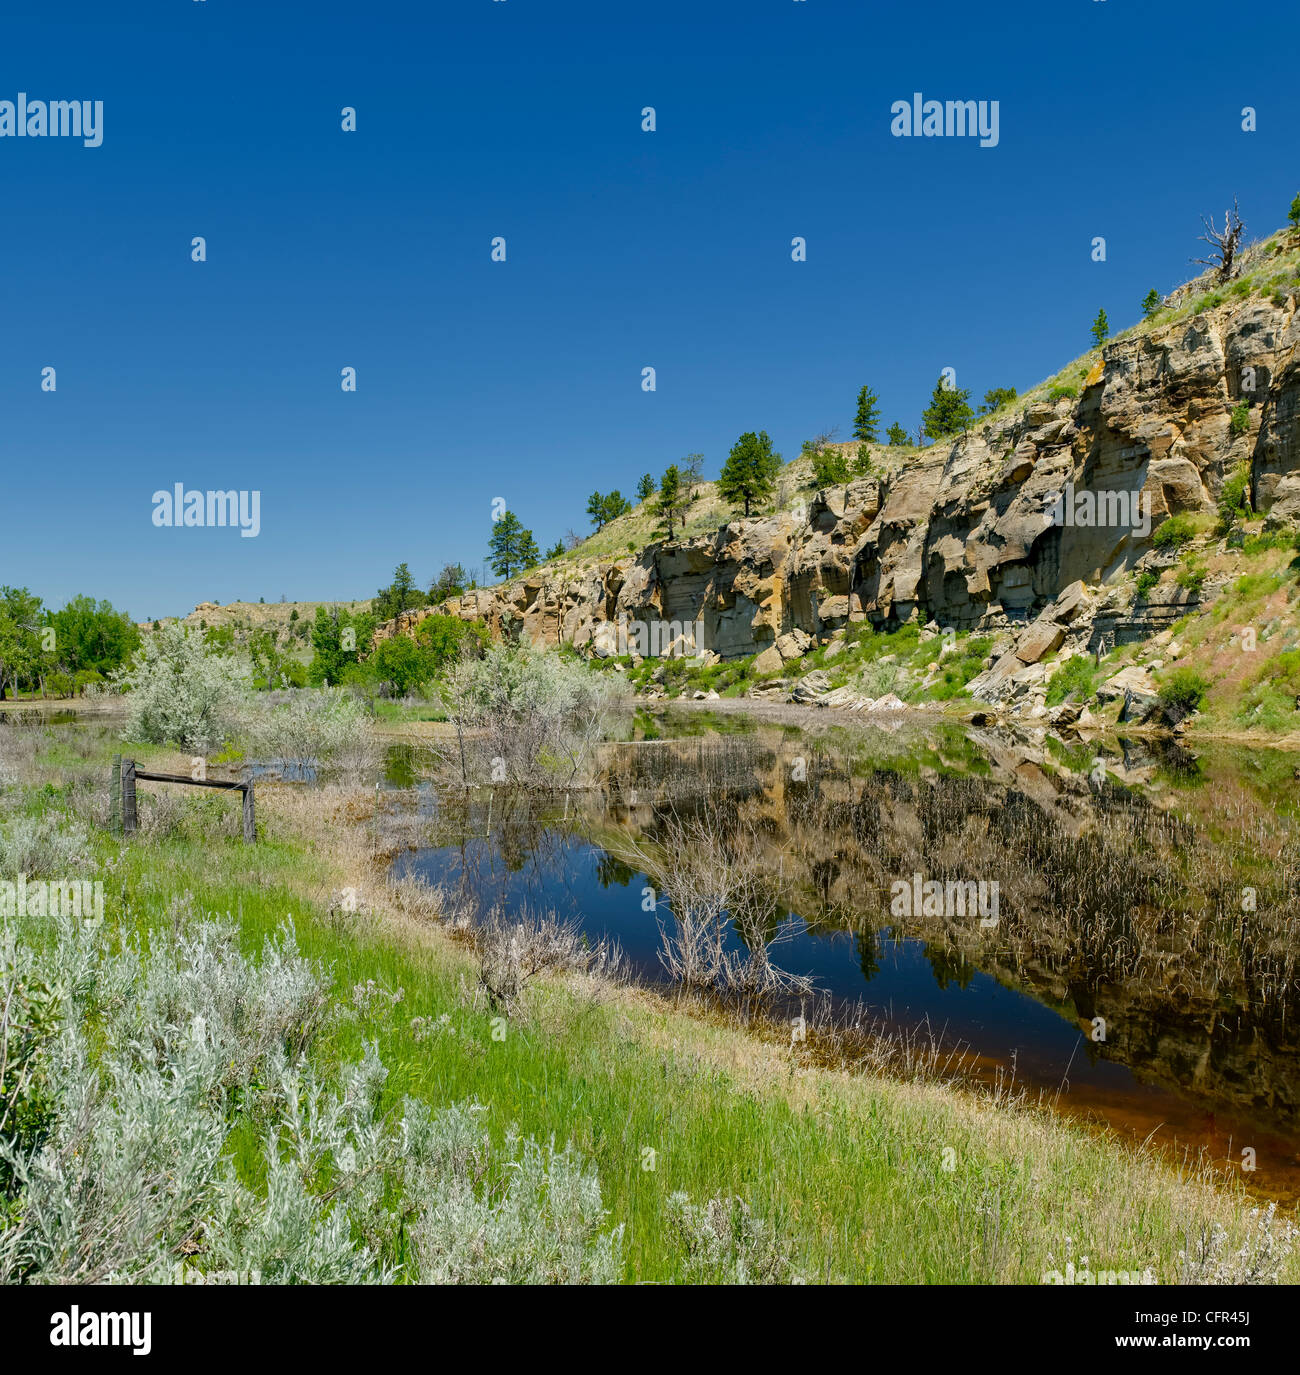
{"type": "Point", "coordinates": [1146, 912]}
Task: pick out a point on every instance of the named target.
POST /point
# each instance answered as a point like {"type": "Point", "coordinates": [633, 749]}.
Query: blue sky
{"type": "Point", "coordinates": [625, 249]}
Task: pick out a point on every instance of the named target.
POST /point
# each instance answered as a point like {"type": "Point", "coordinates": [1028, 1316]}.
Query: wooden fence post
{"type": "Point", "coordinates": [115, 791]}
{"type": "Point", "coordinates": [129, 822]}
{"type": "Point", "coordinates": [250, 818]}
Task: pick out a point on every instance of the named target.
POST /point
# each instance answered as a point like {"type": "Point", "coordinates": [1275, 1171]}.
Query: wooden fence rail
{"type": "Point", "coordinates": [126, 775]}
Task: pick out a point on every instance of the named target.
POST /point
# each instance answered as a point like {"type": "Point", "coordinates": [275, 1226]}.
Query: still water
{"type": "Point", "coordinates": [1118, 903]}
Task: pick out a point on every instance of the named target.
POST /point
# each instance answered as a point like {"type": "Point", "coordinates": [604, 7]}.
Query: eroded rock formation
{"type": "Point", "coordinates": [962, 535]}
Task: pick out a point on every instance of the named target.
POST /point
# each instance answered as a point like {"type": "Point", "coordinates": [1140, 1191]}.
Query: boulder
{"type": "Point", "coordinates": [769, 661]}
{"type": "Point", "coordinates": [845, 699]}
{"type": "Point", "coordinates": [1066, 714]}
{"type": "Point", "coordinates": [809, 688]}
{"type": "Point", "coordinates": [834, 609]}
{"type": "Point", "coordinates": [1132, 681]}
{"type": "Point", "coordinates": [1070, 602]}
{"type": "Point", "coordinates": [793, 644]}
{"type": "Point", "coordinates": [1041, 638]}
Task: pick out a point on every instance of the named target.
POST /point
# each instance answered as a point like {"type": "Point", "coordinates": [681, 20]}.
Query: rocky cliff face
{"type": "Point", "coordinates": [962, 535]}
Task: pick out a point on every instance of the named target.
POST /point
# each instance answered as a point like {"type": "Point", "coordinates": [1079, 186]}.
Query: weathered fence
{"type": "Point", "coordinates": [126, 775]}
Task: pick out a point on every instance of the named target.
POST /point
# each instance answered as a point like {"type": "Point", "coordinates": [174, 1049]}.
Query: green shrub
{"type": "Point", "coordinates": [1191, 577]}
{"type": "Point", "coordinates": [1146, 581]}
{"type": "Point", "coordinates": [1261, 544]}
{"type": "Point", "coordinates": [1252, 585]}
{"type": "Point", "coordinates": [724, 1243]}
{"type": "Point", "coordinates": [1283, 672]}
{"type": "Point", "coordinates": [1234, 499]}
{"type": "Point", "coordinates": [181, 691]}
{"type": "Point", "coordinates": [1061, 391]}
{"type": "Point", "coordinates": [1074, 678]}
{"type": "Point", "coordinates": [1270, 700]}
{"type": "Point", "coordinates": [1174, 532]}
{"type": "Point", "coordinates": [1241, 417]}
{"type": "Point", "coordinates": [1183, 691]}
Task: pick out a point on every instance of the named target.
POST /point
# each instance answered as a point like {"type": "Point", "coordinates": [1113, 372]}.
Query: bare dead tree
{"type": "Point", "coordinates": [1225, 242]}
{"type": "Point", "coordinates": [709, 868]}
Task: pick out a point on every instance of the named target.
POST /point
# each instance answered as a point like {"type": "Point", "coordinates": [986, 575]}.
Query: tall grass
{"type": "Point", "coordinates": [838, 1176]}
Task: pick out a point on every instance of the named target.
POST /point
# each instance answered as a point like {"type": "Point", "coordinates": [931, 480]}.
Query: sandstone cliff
{"type": "Point", "coordinates": [959, 534]}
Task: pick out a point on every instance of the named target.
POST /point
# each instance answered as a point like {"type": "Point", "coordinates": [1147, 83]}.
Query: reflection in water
{"type": "Point", "coordinates": [1143, 964]}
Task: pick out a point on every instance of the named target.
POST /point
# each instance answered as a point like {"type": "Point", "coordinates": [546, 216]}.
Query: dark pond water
{"type": "Point", "coordinates": [1100, 901]}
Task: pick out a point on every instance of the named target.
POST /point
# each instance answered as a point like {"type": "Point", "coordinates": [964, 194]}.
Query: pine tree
{"type": "Point", "coordinates": [897, 435]}
{"type": "Point", "coordinates": [948, 412]}
{"type": "Point", "coordinates": [868, 415]}
{"type": "Point", "coordinates": [645, 489]}
{"type": "Point", "coordinates": [692, 470]}
{"type": "Point", "coordinates": [997, 397]}
{"type": "Point", "coordinates": [830, 465]}
{"type": "Point", "coordinates": [1294, 216]}
{"type": "Point", "coordinates": [449, 583]}
{"type": "Point", "coordinates": [511, 547]}
{"type": "Point", "coordinates": [749, 474]}
{"type": "Point", "coordinates": [602, 508]}
{"type": "Point", "coordinates": [1100, 329]}
{"type": "Point", "coordinates": [400, 595]}
{"type": "Point", "coordinates": [1150, 303]}
{"type": "Point", "coordinates": [668, 507]}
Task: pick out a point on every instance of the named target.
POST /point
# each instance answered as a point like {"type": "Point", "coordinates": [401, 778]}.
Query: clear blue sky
{"type": "Point", "coordinates": [626, 249]}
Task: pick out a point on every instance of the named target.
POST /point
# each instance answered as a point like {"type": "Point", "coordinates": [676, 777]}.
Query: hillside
{"type": "Point", "coordinates": [244, 618]}
{"type": "Point", "coordinates": [959, 537]}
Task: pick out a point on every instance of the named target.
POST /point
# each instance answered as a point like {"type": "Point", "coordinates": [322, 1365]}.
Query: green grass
{"type": "Point", "coordinates": [870, 1179]}
{"type": "Point", "coordinates": [400, 712]}
{"type": "Point", "coordinates": [861, 664]}
{"type": "Point", "coordinates": [851, 1170]}
{"type": "Point", "coordinates": [1076, 677]}
{"type": "Point", "coordinates": [1175, 532]}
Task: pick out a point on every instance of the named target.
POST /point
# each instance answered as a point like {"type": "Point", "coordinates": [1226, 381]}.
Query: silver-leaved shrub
{"type": "Point", "coordinates": [180, 692]}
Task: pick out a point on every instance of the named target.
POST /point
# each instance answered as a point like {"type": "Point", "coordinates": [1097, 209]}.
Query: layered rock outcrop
{"type": "Point", "coordinates": [962, 534]}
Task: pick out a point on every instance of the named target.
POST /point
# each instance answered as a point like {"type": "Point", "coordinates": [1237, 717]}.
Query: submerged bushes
{"type": "Point", "coordinates": [529, 717]}
{"type": "Point", "coordinates": [309, 729]}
